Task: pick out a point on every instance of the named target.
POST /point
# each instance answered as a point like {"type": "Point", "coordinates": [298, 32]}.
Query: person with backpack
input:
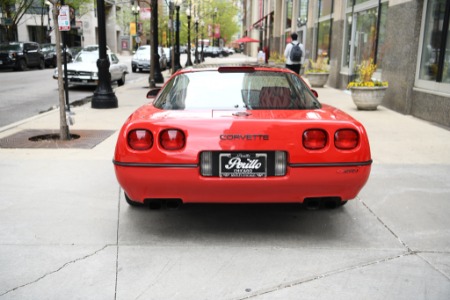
{"type": "Point", "coordinates": [294, 54]}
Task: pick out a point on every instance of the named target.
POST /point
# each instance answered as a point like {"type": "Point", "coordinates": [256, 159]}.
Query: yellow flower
{"type": "Point", "coordinates": [366, 70]}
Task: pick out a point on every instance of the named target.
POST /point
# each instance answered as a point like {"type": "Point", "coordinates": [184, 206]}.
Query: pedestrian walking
{"type": "Point", "coordinates": [294, 54]}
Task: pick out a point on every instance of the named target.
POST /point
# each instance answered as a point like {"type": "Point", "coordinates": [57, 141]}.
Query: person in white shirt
{"type": "Point", "coordinates": [294, 65]}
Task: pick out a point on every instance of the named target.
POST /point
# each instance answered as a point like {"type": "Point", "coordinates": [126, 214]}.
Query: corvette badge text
{"type": "Point", "coordinates": [244, 137]}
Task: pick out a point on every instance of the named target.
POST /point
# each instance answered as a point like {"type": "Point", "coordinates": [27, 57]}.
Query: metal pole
{"type": "Point", "coordinates": [177, 48]}
{"type": "Point", "coordinates": [154, 64]}
{"type": "Point", "coordinates": [189, 62]}
{"type": "Point", "coordinates": [196, 60]}
{"type": "Point", "coordinates": [104, 96]}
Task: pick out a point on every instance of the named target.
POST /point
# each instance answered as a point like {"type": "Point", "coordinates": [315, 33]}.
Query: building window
{"type": "Point", "coordinates": [289, 4]}
{"type": "Point", "coordinates": [323, 39]}
{"type": "Point", "coordinates": [325, 7]}
{"type": "Point", "coordinates": [324, 28]}
{"type": "Point", "coordinates": [302, 13]}
{"type": "Point", "coordinates": [364, 33]}
{"type": "Point", "coordinates": [435, 56]}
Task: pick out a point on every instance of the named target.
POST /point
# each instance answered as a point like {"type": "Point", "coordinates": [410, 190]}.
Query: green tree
{"type": "Point", "coordinates": [221, 12]}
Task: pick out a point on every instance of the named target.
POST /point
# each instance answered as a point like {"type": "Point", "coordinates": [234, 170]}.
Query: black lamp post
{"type": "Point", "coordinates": [104, 96]}
{"type": "Point", "coordinates": [214, 25]}
{"type": "Point", "coordinates": [202, 23]}
{"type": "Point", "coordinates": [155, 69]}
{"type": "Point", "coordinates": [189, 61]}
{"type": "Point", "coordinates": [177, 64]}
{"type": "Point", "coordinates": [135, 11]}
{"type": "Point", "coordinates": [196, 60]}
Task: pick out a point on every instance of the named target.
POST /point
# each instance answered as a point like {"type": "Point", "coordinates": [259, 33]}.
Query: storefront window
{"type": "Point", "coordinates": [435, 59]}
{"type": "Point", "coordinates": [288, 14]}
{"type": "Point", "coordinates": [364, 34]}
{"type": "Point", "coordinates": [323, 39]}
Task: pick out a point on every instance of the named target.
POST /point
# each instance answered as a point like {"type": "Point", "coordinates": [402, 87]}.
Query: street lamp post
{"type": "Point", "coordinates": [104, 96]}
{"type": "Point", "coordinates": [189, 62]}
{"type": "Point", "coordinates": [177, 64]}
{"type": "Point", "coordinates": [155, 70]}
{"type": "Point", "coordinates": [196, 60]}
{"type": "Point", "coordinates": [214, 26]}
{"type": "Point", "coordinates": [135, 11]}
{"type": "Point", "coordinates": [202, 23]}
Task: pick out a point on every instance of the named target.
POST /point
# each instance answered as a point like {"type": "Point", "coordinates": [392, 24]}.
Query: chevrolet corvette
{"type": "Point", "coordinates": [240, 134]}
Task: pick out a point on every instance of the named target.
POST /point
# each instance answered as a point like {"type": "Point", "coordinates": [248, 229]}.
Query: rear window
{"type": "Point", "coordinates": [256, 90]}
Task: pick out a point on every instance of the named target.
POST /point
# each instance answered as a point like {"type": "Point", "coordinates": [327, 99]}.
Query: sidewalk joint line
{"type": "Point", "coordinates": [325, 275]}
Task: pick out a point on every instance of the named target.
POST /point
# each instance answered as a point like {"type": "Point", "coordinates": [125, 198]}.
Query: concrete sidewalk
{"type": "Point", "coordinates": [67, 232]}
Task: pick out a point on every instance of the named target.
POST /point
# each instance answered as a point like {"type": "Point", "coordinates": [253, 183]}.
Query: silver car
{"type": "Point", "coordinates": [141, 59]}
{"type": "Point", "coordinates": [84, 71]}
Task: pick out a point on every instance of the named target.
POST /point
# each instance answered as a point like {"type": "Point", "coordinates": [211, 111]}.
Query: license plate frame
{"type": "Point", "coordinates": [243, 165]}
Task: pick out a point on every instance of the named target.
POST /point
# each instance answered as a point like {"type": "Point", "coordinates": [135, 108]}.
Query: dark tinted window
{"type": "Point", "coordinates": [257, 90]}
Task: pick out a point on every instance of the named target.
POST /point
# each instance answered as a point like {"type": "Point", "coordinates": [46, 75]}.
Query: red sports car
{"type": "Point", "coordinates": [240, 134]}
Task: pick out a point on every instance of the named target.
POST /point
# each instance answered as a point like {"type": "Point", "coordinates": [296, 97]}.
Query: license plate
{"type": "Point", "coordinates": [243, 165]}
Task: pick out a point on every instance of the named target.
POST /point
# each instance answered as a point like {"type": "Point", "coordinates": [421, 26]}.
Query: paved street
{"type": "Point", "coordinates": [67, 232]}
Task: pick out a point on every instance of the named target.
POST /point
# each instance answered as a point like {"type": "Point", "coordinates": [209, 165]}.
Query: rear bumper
{"type": "Point", "coordinates": [186, 183]}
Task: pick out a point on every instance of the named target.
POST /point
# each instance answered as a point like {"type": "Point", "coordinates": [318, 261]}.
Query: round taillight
{"type": "Point", "coordinates": [140, 139]}
{"type": "Point", "coordinates": [172, 139]}
{"type": "Point", "coordinates": [346, 139]}
{"type": "Point", "coordinates": [314, 139]}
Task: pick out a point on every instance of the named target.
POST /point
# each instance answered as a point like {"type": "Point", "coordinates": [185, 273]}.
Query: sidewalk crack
{"type": "Point", "coordinates": [55, 271]}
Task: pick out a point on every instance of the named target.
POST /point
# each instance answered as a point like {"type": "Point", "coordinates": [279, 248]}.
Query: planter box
{"type": "Point", "coordinates": [317, 79]}
{"type": "Point", "coordinates": [368, 98]}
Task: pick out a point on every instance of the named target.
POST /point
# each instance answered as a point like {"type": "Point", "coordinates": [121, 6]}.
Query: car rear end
{"type": "Point", "coordinates": [241, 155]}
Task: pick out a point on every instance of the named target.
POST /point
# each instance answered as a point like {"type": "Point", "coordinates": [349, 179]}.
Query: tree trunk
{"type": "Point", "coordinates": [63, 127]}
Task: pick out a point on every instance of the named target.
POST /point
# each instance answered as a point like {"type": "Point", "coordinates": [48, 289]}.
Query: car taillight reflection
{"type": "Point", "coordinates": [172, 139]}
{"type": "Point", "coordinates": [346, 139]}
{"type": "Point", "coordinates": [140, 139]}
{"type": "Point", "coordinates": [314, 139]}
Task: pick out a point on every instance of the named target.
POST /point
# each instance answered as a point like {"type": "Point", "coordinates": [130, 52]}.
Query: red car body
{"type": "Point", "coordinates": [244, 153]}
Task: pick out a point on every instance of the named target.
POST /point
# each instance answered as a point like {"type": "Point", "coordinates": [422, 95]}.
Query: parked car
{"type": "Point", "coordinates": [211, 51]}
{"type": "Point", "coordinates": [141, 59]}
{"type": "Point", "coordinates": [21, 55]}
{"type": "Point", "coordinates": [49, 51]}
{"type": "Point", "coordinates": [240, 134]}
{"type": "Point", "coordinates": [84, 71]}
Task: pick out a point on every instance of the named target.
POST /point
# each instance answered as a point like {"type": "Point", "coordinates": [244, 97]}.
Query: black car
{"type": "Point", "coordinates": [21, 55]}
{"type": "Point", "coordinates": [49, 51]}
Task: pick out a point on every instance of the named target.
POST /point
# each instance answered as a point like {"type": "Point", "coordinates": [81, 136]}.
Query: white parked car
{"type": "Point", "coordinates": [84, 71]}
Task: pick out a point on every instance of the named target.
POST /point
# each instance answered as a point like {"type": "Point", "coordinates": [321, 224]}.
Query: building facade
{"type": "Point", "coordinates": [409, 40]}
{"type": "Point", "coordinates": [37, 25]}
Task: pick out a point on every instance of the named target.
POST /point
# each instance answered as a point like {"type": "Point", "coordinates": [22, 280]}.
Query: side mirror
{"type": "Point", "coordinates": [315, 93]}
{"type": "Point", "coordinates": [152, 93]}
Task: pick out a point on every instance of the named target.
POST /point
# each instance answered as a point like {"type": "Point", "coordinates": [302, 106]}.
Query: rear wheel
{"type": "Point", "coordinates": [132, 202]}
{"type": "Point", "coordinates": [22, 65]}
{"type": "Point", "coordinates": [133, 68]}
{"type": "Point", "coordinates": [42, 64]}
{"type": "Point", "coordinates": [121, 81]}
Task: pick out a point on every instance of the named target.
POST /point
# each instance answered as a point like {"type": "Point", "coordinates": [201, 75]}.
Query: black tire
{"type": "Point", "coordinates": [21, 65]}
{"type": "Point", "coordinates": [121, 81]}
{"type": "Point", "coordinates": [133, 69]}
{"type": "Point", "coordinates": [131, 202]}
{"type": "Point", "coordinates": [42, 64]}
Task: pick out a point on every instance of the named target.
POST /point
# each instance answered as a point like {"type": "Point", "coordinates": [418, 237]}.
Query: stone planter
{"type": "Point", "coordinates": [317, 79]}
{"type": "Point", "coordinates": [368, 98]}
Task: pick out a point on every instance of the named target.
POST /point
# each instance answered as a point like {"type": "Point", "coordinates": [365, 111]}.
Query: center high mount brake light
{"type": "Point", "coordinates": [241, 69]}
